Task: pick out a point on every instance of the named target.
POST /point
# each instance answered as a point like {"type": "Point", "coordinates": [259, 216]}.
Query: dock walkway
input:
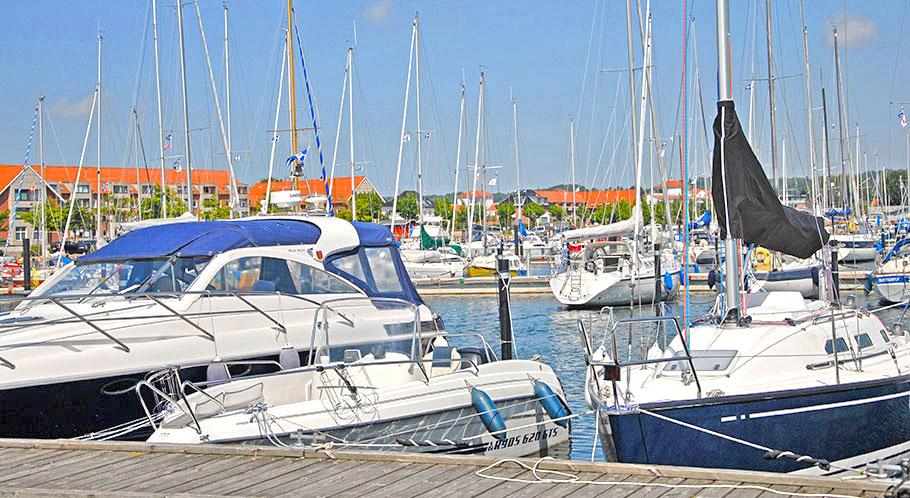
{"type": "Point", "coordinates": [45, 468]}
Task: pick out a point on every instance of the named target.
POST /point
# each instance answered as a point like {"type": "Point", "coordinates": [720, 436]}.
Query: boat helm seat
{"type": "Point", "coordinates": [472, 355]}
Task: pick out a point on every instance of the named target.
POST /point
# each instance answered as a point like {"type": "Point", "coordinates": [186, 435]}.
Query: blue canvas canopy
{"type": "Point", "coordinates": [203, 238]}
{"type": "Point", "coordinates": [833, 213]}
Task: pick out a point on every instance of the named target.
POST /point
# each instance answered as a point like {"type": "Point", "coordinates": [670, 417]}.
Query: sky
{"type": "Point", "coordinates": [557, 61]}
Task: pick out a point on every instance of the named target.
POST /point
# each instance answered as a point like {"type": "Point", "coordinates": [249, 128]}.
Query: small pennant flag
{"type": "Point", "coordinates": [275, 138]}
{"type": "Point", "coordinates": [167, 140]}
{"type": "Point", "coordinates": [749, 87]}
{"type": "Point", "coordinates": [663, 148]}
{"type": "Point", "coordinates": [902, 117]}
{"type": "Point", "coordinates": [406, 138]}
{"type": "Point", "coordinates": [427, 135]}
{"type": "Point", "coordinates": [493, 182]}
{"type": "Point", "coordinates": [177, 166]}
{"type": "Point", "coordinates": [299, 157]}
{"type": "Point", "coordinates": [236, 157]}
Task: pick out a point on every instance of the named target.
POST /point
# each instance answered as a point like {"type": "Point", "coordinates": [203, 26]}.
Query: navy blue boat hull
{"type": "Point", "coordinates": [834, 423]}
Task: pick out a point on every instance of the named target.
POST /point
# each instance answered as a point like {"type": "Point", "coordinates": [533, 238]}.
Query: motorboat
{"type": "Point", "coordinates": [433, 263]}
{"type": "Point", "coordinates": [198, 293]}
{"type": "Point", "coordinates": [776, 272]}
{"type": "Point", "coordinates": [791, 379]}
{"type": "Point", "coordinates": [443, 398]}
{"type": "Point", "coordinates": [891, 279]}
{"type": "Point", "coordinates": [534, 247]}
{"type": "Point", "coordinates": [485, 266]}
{"type": "Point", "coordinates": [858, 247]}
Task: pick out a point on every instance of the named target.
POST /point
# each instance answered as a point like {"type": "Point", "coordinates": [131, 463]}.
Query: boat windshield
{"type": "Point", "coordinates": [125, 277]}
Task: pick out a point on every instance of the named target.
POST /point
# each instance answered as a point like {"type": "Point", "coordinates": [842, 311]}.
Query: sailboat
{"type": "Point", "coordinates": [772, 381]}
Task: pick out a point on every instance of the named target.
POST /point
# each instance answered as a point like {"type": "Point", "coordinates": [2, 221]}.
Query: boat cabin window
{"type": "Point", "coordinates": [709, 360]}
{"type": "Point", "coordinates": [885, 336]}
{"type": "Point", "coordinates": [374, 266]}
{"type": "Point", "coordinates": [265, 274]}
{"type": "Point", "coordinates": [841, 346]}
{"type": "Point", "coordinates": [863, 340]}
{"type": "Point", "coordinates": [122, 277]}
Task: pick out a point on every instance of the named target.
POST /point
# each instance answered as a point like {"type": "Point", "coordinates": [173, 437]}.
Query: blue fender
{"type": "Point", "coordinates": [869, 283]}
{"type": "Point", "coordinates": [551, 403]}
{"type": "Point", "coordinates": [712, 279]}
{"type": "Point", "coordinates": [668, 281]}
{"type": "Point", "coordinates": [489, 415]}
{"type": "Point", "coordinates": [815, 276]}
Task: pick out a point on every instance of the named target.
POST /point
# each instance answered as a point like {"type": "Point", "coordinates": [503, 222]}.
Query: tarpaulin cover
{"type": "Point", "coordinates": [756, 214]}
{"type": "Point", "coordinates": [204, 238]}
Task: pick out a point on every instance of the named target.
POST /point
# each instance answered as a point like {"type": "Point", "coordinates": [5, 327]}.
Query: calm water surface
{"type": "Point", "coordinates": [544, 327]}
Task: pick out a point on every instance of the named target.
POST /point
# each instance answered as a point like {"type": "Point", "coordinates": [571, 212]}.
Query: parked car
{"type": "Point", "coordinates": [74, 246]}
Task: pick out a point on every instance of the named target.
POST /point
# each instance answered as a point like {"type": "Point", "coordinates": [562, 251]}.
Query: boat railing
{"type": "Point", "coordinates": [612, 369]}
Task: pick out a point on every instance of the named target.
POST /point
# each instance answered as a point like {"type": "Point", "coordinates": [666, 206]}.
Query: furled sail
{"type": "Point", "coordinates": [756, 214]}
{"type": "Point", "coordinates": [625, 227]}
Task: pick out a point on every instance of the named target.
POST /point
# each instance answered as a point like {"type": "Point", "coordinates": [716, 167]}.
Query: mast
{"type": "Point", "coordinates": [639, 152]}
{"type": "Point", "coordinates": [840, 121]}
{"type": "Point", "coordinates": [419, 129]}
{"type": "Point", "coordinates": [731, 245]}
{"type": "Point", "coordinates": [268, 184]}
{"type": "Point", "coordinates": [43, 196]}
{"type": "Point", "coordinates": [292, 97]}
{"type": "Point", "coordinates": [458, 157]}
{"type": "Point", "coordinates": [160, 118]}
{"type": "Point", "coordinates": [482, 129]}
{"type": "Point", "coordinates": [98, 130]}
{"type": "Point", "coordinates": [138, 180]}
{"type": "Point", "coordinates": [351, 130]}
{"type": "Point", "coordinates": [827, 151]}
{"type": "Point", "coordinates": [404, 120]}
{"type": "Point", "coordinates": [777, 184]}
{"type": "Point", "coordinates": [227, 104]}
{"type": "Point", "coordinates": [476, 163]}
{"type": "Point", "coordinates": [517, 162]}
{"type": "Point", "coordinates": [186, 116]}
{"type": "Point", "coordinates": [572, 163]}
{"type": "Point", "coordinates": [812, 155]}
{"type": "Point", "coordinates": [631, 71]}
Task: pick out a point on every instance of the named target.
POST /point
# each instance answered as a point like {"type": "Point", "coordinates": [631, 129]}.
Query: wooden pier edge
{"type": "Point", "coordinates": [728, 475]}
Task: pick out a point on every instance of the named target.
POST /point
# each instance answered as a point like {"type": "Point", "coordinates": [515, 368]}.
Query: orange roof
{"type": "Point", "coordinates": [341, 188]}
{"type": "Point", "coordinates": [670, 184]}
{"type": "Point", "coordinates": [477, 193]}
{"type": "Point", "coordinates": [590, 198]}
{"type": "Point", "coordinates": [89, 175]}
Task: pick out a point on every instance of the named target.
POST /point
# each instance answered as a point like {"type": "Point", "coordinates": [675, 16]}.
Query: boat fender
{"type": "Point", "coordinates": [489, 415]}
{"type": "Point", "coordinates": [551, 403]}
{"type": "Point", "coordinates": [869, 283]}
{"type": "Point", "coordinates": [668, 281]}
{"type": "Point", "coordinates": [815, 276]}
{"type": "Point", "coordinates": [712, 279]}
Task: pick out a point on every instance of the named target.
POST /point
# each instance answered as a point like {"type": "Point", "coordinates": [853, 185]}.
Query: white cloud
{"type": "Point", "coordinates": [379, 12]}
{"type": "Point", "coordinates": [858, 30]}
{"type": "Point", "coordinates": [66, 108]}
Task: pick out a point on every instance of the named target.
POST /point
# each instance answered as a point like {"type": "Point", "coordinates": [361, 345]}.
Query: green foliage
{"type": "Point", "coordinates": [532, 211]}
{"type": "Point", "coordinates": [442, 207]}
{"type": "Point", "coordinates": [557, 212]}
{"type": "Point", "coordinates": [369, 207]}
{"type": "Point", "coordinates": [4, 220]}
{"type": "Point", "coordinates": [893, 183]}
{"type": "Point", "coordinates": [407, 207]}
{"type": "Point", "coordinates": [505, 211]}
{"type": "Point", "coordinates": [343, 213]}
{"type": "Point", "coordinates": [151, 204]}
{"type": "Point", "coordinates": [55, 217]}
{"type": "Point", "coordinates": [214, 210]}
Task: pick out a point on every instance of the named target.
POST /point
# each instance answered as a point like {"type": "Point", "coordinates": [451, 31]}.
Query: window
{"type": "Point", "coordinates": [241, 189]}
{"type": "Point", "coordinates": [704, 360]}
{"type": "Point", "coordinates": [272, 274]}
{"type": "Point", "coordinates": [148, 189]}
{"type": "Point", "coordinates": [120, 189]}
{"type": "Point", "coordinates": [373, 266]}
{"type": "Point", "coordinates": [26, 194]}
{"type": "Point", "coordinates": [863, 340]}
{"type": "Point", "coordinates": [208, 190]}
{"type": "Point", "coordinates": [21, 233]}
{"type": "Point", "coordinates": [841, 346]}
{"type": "Point", "coordinates": [83, 202]}
{"type": "Point", "coordinates": [885, 336]}
{"type": "Point", "coordinates": [82, 189]}
{"type": "Point", "coordinates": [244, 203]}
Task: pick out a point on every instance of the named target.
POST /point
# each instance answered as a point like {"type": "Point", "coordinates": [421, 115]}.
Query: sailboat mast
{"type": "Point", "coordinates": [827, 151]}
{"type": "Point", "coordinates": [476, 164]}
{"type": "Point", "coordinates": [458, 159]}
{"type": "Point", "coordinates": [639, 152]}
{"type": "Point", "coordinates": [840, 122]}
{"type": "Point", "coordinates": [292, 100]}
{"type": "Point", "coordinates": [227, 104]}
{"type": "Point", "coordinates": [351, 130]}
{"type": "Point", "coordinates": [186, 118]}
{"type": "Point", "coordinates": [631, 70]}
{"type": "Point", "coordinates": [517, 161]}
{"type": "Point", "coordinates": [268, 184]}
{"type": "Point", "coordinates": [419, 129]}
{"type": "Point", "coordinates": [404, 120]}
{"type": "Point", "coordinates": [160, 118]}
{"type": "Point", "coordinates": [483, 165]}
{"type": "Point", "coordinates": [812, 155]}
{"type": "Point", "coordinates": [724, 84]}
{"type": "Point", "coordinates": [572, 165]}
{"type": "Point", "coordinates": [777, 184]}
{"type": "Point", "coordinates": [136, 151]}
{"type": "Point", "coordinates": [42, 197]}
{"type": "Point", "coordinates": [98, 132]}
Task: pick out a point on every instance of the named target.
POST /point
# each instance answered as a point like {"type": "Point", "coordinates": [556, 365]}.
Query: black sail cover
{"type": "Point", "coordinates": [756, 214]}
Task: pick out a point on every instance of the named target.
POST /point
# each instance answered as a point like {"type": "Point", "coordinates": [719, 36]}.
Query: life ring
{"type": "Point", "coordinates": [852, 226]}
{"type": "Point", "coordinates": [761, 261]}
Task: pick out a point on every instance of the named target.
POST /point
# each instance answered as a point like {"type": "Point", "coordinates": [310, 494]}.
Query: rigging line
{"type": "Point", "coordinates": [47, 113]}
{"type": "Point", "coordinates": [425, 63]}
{"type": "Point", "coordinates": [584, 79]}
{"type": "Point", "coordinates": [596, 78]}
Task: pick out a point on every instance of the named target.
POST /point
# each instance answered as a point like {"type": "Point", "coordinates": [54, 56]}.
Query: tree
{"type": "Point", "coordinates": [344, 213]}
{"type": "Point", "coordinates": [533, 211]}
{"type": "Point", "coordinates": [213, 209]}
{"type": "Point", "coordinates": [557, 212]}
{"type": "Point", "coordinates": [407, 207]}
{"type": "Point", "coordinates": [442, 207]}
{"type": "Point", "coordinates": [151, 205]}
{"type": "Point", "coordinates": [369, 207]}
{"type": "Point", "coordinates": [505, 211]}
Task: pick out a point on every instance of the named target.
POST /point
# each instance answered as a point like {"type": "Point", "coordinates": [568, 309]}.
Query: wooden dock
{"type": "Point", "coordinates": [45, 468]}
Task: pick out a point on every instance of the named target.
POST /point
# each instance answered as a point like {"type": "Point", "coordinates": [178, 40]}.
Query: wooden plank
{"type": "Point", "coordinates": [145, 467]}
{"type": "Point", "coordinates": [657, 491]}
{"type": "Point", "coordinates": [624, 490]}
{"type": "Point", "coordinates": [204, 472]}
{"type": "Point", "coordinates": [49, 467]}
{"type": "Point", "coordinates": [589, 490]}
{"type": "Point", "coordinates": [778, 487]}
{"type": "Point", "coordinates": [371, 487]}
{"type": "Point", "coordinates": [322, 479]}
{"type": "Point", "coordinates": [135, 463]}
{"type": "Point", "coordinates": [32, 457]}
{"type": "Point", "coordinates": [557, 490]}
{"type": "Point", "coordinates": [255, 485]}
{"type": "Point", "coordinates": [111, 460]}
{"type": "Point", "coordinates": [686, 492]}
{"type": "Point", "coordinates": [816, 490]}
{"type": "Point", "coordinates": [348, 479]}
{"type": "Point", "coordinates": [434, 479]}
{"type": "Point", "coordinates": [85, 462]}
{"type": "Point", "coordinates": [473, 485]}
{"type": "Point", "coordinates": [300, 478]}
{"type": "Point", "coordinates": [277, 467]}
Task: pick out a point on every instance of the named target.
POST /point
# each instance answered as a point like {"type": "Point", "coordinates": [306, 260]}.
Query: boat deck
{"type": "Point", "coordinates": [126, 469]}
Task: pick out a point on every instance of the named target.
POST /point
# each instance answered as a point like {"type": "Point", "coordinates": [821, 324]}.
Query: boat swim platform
{"type": "Point", "coordinates": [698, 282]}
{"type": "Point", "coordinates": [66, 468]}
